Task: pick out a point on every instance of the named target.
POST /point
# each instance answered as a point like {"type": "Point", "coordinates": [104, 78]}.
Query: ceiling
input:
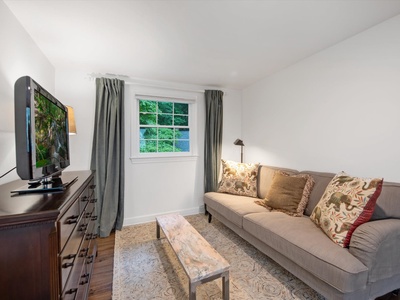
{"type": "Point", "coordinates": [219, 43]}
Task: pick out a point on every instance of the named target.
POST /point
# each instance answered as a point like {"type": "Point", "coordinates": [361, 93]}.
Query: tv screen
{"type": "Point", "coordinates": [51, 133]}
{"type": "Point", "coordinates": [41, 131]}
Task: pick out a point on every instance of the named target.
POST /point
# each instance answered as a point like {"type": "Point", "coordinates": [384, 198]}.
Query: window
{"type": "Point", "coordinates": [163, 127]}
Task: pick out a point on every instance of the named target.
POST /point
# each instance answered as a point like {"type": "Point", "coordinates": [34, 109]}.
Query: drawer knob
{"type": "Point", "coordinates": [93, 200]}
{"type": "Point", "coordinates": [92, 186]}
{"type": "Point", "coordinates": [85, 199]}
{"type": "Point", "coordinates": [94, 218]}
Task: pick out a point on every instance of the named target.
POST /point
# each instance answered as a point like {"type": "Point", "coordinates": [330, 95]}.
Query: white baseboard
{"type": "Point", "coordinates": [151, 218]}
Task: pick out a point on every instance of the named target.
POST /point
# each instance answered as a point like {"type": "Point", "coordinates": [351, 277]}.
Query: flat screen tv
{"type": "Point", "coordinates": [41, 137]}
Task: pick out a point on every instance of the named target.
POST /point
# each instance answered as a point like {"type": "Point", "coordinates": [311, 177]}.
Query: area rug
{"type": "Point", "coordinates": [147, 268]}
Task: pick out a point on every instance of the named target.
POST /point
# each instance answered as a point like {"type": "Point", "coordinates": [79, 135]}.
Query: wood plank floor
{"type": "Point", "coordinates": [102, 278]}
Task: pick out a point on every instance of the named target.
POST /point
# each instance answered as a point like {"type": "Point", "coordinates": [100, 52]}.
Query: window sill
{"type": "Point", "coordinates": [165, 159]}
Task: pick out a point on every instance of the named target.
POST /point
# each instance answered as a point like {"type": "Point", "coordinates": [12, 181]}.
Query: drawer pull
{"type": "Point", "coordinates": [67, 265]}
{"type": "Point", "coordinates": [72, 219]}
{"type": "Point", "coordinates": [71, 291]}
{"type": "Point", "coordinates": [84, 252]}
{"type": "Point", "coordinates": [89, 236]}
{"type": "Point", "coordinates": [85, 199]}
{"type": "Point", "coordinates": [83, 227]}
{"type": "Point", "coordinates": [70, 256]}
{"type": "Point", "coordinates": [94, 218]}
{"type": "Point", "coordinates": [89, 259]}
{"type": "Point", "coordinates": [88, 215]}
{"type": "Point", "coordinates": [92, 186]}
{"type": "Point", "coordinates": [85, 279]}
{"type": "Point", "coordinates": [93, 200]}
{"type": "Point", "coordinates": [94, 236]}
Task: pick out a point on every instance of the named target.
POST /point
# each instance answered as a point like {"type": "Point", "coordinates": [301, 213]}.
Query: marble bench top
{"type": "Point", "coordinates": [198, 258]}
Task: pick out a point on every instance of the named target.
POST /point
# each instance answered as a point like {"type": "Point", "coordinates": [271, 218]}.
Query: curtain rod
{"type": "Point", "coordinates": [127, 79]}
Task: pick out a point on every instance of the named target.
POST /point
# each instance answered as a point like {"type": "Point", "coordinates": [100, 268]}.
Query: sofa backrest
{"type": "Point", "coordinates": [265, 176]}
{"type": "Point", "coordinates": [321, 182]}
{"type": "Point", "coordinates": [387, 205]}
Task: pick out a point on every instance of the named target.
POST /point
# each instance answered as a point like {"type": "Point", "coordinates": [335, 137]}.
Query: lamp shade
{"type": "Point", "coordinates": [71, 120]}
{"type": "Point", "coordinates": [238, 142]}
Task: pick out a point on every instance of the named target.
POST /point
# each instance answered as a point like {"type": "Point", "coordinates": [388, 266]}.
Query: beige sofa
{"type": "Point", "coordinates": [369, 268]}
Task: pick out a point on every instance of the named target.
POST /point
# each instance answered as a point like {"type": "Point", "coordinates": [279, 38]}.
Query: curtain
{"type": "Point", "coordinates": [108, 154]}
{"type": "Point", "coordinates": [213, 139]}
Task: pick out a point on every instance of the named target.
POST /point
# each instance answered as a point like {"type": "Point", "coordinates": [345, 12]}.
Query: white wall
{"type": "Point", "coordinates": [337, 110]}
{"type": "Point", "coordinates": [19, 56]}
{"type": "Point", "coordinates": [77, 89]}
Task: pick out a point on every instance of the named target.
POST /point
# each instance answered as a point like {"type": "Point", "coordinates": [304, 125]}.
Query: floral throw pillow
{"type": "Point", "coordinates": [346, 203]}
{"type": "Point", "coordinates": [239, 178]}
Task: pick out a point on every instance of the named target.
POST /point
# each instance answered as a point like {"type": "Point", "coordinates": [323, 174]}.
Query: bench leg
{"type": "Point", "coordinates": [158, 230]}
{"type": "Point", "coordinates": [209, 218]}
{"type": "Point", "coordinates": [225, 286]}
{"type": "Point", "coordinates": [192, 291]}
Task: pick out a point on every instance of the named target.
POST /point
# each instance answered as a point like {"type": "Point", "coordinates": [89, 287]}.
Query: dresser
{"type": "Point", "coordinates": [48, 240]}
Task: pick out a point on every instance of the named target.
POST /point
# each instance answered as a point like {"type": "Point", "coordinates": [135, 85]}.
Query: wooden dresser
{"type": "Point", "coordinates": [48, 241]}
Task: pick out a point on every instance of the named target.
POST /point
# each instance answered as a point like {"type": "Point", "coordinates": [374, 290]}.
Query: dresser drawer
{"type": "Point", "coordinates": [84, 200]}
{"type": "Point", "coordinates": [87, 270]}
{"type": "Point", "coordinates": [68, 257]}
{"type": "Point", "coordinates": [67, 223]}
{"type": "Point", "coordinates": [71, 288]}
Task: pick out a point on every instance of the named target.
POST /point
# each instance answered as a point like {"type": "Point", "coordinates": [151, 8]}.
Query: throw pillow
{"type": "Point", "coordinates": [346, 203]}
{"type": "Point", "coordinates": [239, 178]}
{"type": "Point", "coordinates": [288, 193]}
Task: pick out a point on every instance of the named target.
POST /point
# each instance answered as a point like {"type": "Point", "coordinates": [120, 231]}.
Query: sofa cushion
{"type": "Point", "coordinates": [306, 245]}
{"type": "Point", "coordinates": [347, 203]}
{"type": "Point", "coordinates": [232, 207]}
{"type": "Point", "coordinates": [238, 178]}
{"type": "Point", "coordinates": [288, 193]}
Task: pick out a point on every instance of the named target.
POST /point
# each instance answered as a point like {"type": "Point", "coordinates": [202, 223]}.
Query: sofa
{"type": "Point", "coordinates": [367, 268]}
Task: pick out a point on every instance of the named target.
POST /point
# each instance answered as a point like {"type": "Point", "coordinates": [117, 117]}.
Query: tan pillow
{"type": "Point", "coordinates": [288, 193]}
{"type": "Point", "coordinates": [346, 203]}
{"type": "Point", "coordinates": [239, 178]}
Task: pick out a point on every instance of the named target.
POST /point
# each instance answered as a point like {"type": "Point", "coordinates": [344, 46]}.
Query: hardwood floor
{"type": "Point", "coordinates": [102, 278]}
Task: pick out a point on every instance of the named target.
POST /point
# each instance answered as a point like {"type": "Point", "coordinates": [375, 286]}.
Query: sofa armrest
{"type": "Point", "coordinates": [377, 245]}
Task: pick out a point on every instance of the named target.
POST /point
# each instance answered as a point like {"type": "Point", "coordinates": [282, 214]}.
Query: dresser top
{"type": "Point", "coordinates": [16, 208]}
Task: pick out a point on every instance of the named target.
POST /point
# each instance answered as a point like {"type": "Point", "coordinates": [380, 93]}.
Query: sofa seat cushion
{"type": "Point", "coordinates": [305, 244]}
{"type": "Point", "coordinates": [232, 207]}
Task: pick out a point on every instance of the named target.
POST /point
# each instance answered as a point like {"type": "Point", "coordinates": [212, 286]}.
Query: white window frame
{"type": "Point", "coordinates": [138, 157]}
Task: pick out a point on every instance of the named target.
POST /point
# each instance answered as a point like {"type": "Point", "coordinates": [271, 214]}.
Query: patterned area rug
{"type": "Point", "coordinates": [147, 268]}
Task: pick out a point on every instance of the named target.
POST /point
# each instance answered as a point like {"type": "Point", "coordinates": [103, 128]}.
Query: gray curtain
{"type": "Point", "coordinates": [213, 139]}
{"type": "Point", "coordinates": [108, 154]}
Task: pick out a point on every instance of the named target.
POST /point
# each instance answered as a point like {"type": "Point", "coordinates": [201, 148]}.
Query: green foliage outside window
{"type": "Point", "coordinates": [164, 126]}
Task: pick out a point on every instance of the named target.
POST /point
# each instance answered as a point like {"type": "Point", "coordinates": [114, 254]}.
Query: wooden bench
{"type": "Point", "coordinates": [201, 262]}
